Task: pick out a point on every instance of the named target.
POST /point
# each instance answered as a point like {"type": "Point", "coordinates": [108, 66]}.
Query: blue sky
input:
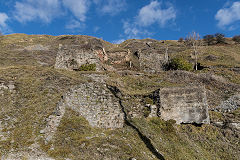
{"type": "Point", "coordinates": [118, 20]}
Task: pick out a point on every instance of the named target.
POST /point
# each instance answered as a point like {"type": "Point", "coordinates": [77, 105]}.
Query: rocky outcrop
{"type": "Point", "coordinates": [34, 153]}
{"type": "Point", "coordinates": [37, 47]}
{"type": "Point", "coordinates": [184, 104]}
{"type": "Point", "coordinates": [10, 86]}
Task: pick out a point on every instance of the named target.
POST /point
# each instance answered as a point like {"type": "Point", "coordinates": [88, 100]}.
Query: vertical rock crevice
{"type": "Point", "coordinates": [143, 137]}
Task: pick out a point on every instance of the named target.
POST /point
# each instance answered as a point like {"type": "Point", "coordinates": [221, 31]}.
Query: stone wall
{"type": "Point", "coordinates": [73, 56]}
{"type": "Point", "coordinates": [151, 61]}
{"type": "Point", "coordinates": [97, 104]}
{"type": "Point", "coordinates": [184, 104]}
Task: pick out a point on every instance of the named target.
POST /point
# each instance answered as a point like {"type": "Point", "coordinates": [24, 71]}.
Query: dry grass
{"type": "Point", "coordinates": [39, 89]}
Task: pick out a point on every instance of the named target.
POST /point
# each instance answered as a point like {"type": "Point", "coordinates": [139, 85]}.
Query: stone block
{"type": "Point", "coordinates": [184, 104]}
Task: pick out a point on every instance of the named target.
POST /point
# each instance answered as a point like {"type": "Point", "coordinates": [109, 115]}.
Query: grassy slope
{"type": "Point", "coordinates": [38, 90]}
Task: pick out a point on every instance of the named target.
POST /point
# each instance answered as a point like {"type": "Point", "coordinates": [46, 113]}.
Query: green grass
{"type": "Point", "coordinates": [39, 89]}
{"type": "Point", "coordinates": [76, 139]}
{"type": "Point", "coordinates": [188, 141]}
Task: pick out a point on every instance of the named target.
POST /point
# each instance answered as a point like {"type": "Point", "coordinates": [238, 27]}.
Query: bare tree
{"type": "Point", "coordinates": [193, 39]}
{"type": "Point", "coordinates": [166, 56]}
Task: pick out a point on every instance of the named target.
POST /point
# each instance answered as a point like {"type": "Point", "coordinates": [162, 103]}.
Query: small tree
{"type": "Point", "coordinates": [166, 56]}
{"type": "Point", "coordinates": [1, 36]}
{"type": "Point", "coordinates": [193, 39]}
{"type": "Point", "coordinates": [220, 38]}
{"type": "Point", "coordinates": [236, 38]}
{"type": "Point", "coordinates": [209, 39]}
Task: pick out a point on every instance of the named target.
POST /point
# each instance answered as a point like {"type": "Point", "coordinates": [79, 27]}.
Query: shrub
{"type": "Point", "coordinates": [180, 39]}
{"type": "Point", "coordinates": [236, 38]}
{"type": "Point", "coordinates": [178, 64]}
{"type": "Point", "coordinates": [87, 67]}
{"type": "Point", "coordinates": [220, 38]}
{"type": "Point", "coordinates": [146, 111]}
{"type": "Point", "coordinates": [148, 100]}
{"type": "Point", "coordinates": [209, 39]}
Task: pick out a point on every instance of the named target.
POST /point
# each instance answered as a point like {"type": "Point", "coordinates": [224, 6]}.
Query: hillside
{"type": "Point", "coordinates": [79, 97]}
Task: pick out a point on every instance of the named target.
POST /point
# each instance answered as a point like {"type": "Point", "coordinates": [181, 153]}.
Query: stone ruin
{"type": "Point", "coordinates": [95, 102]}
{"type": "Point", "coordinates": [151, 61]}
{"type": "Point", "coordinates": [71, 57]}
{"type": "Point", "coordinates": [184, 104]}
{"type": "Point", "coordinates": [136, 56]}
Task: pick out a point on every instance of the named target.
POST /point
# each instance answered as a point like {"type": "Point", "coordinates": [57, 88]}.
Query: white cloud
{"type": "Point", "coordinates": [227, 16]}
{"type": "Point", "coordinates": [111, 7]}
{"type": "Point", "coordinates": [119, 41]}
{"type": "Point", "coordinates": [95, 29]}
{"type": "Point", "coordinates": [148, 15]}
{"type": "Point", "coordinates": [3, 25]}
{"type": "Point", "coordinates": [74, 24]}
{"type": "Point", "coordinates": [154, 13]}
{"type": "Point", "coordinates": [3, 19]}
{"type": "Point", "coordinates": [134, 31]}
{"type": "Point", "coordinates": [131, 30]}
{"type": "Point", "coordinates": [78, 7]}
{"type": "Point", "coordinates": [30, 10]}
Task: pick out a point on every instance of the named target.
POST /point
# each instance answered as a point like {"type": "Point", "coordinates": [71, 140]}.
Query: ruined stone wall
{"type": "Point", "coordinates": [73, 56]}
{"type": "Point", "coordinates": [97, 104]}
{"type": "Point", "coordinates": [151, 61]}
{"type": "Point", "coordinates": [184, 104]}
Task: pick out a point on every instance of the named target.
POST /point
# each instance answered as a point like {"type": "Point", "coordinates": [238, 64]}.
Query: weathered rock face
{"type": "Point", "coordinates": [97, 104]}
{"type": "Point", "coordinates": [73, 56]}
{"type": "Point", "coordinates": [184, 104]}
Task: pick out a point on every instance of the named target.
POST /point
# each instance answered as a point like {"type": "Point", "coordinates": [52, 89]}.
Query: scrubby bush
{"type": "Point", "coordinates": [146, 111]}
{"type": "Point", "coordinates": [87, 67]}
{"type": "Point", "coordinates": [220, 38]}
{"type": "Point", "coordinates": [209, 39]}
{"type": "Point", "coordinates": [180, 39]}
{"type": "Point", "coordinates": [178, 64]}
{"type": "Point", "coordinates": [236, 38]}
